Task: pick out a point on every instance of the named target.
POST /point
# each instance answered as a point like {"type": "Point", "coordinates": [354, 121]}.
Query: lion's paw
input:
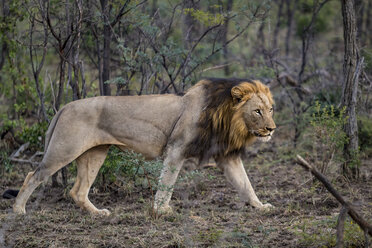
{"type": "Point", "coordinates": [19, 210]}
{"type": "Point", "coordinates": [163, 210]}
{"type": "Point", "coordinates": [261, 206]}
{"type": "Point", "coordinates": [102, 212]}
{"type": "Point", "coordinates": [267, 206]}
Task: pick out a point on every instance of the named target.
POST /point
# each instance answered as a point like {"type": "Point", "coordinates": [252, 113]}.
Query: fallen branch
{"type": "Point", "coordinates": [364, 225]}
{"type": "Point", "coordinates": [20, 150]}
{"type": "Point", "coordinates": [27, 161]}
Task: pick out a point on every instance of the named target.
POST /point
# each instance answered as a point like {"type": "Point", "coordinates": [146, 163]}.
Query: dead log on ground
{"type": "Point", "coordinates": [364, 225]}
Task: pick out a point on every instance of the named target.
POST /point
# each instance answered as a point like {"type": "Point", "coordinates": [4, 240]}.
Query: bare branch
{"type": "Point", "coordinates": [364, 225]}
{"type": "Point", "coordinates": [122, 11]}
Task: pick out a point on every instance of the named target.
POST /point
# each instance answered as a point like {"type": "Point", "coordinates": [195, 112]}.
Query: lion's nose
{"type": "Point", "coordinates": [270, 129]}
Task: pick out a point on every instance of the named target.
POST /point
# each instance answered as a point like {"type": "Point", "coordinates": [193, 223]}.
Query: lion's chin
{"type": "Point", "coordinates": [264, 138]}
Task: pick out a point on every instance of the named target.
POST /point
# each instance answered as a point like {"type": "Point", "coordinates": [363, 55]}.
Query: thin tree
{"type": "Point", "coordinates": [38, 65]}
{"type": "Point", "coordinates": [351, 70]}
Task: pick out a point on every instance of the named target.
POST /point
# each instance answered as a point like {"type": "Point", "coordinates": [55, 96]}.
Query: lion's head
{"type": "Point", "coordinates": [236, 113]}
{"type": "Point", "coordinates": [253, 109]}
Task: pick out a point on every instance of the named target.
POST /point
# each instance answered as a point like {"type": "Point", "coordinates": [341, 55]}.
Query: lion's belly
{"type": "Point", "coordinates": [141, 137]}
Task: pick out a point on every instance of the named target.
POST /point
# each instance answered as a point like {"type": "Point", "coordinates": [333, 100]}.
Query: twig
{"type": "Point", "coordinates": [21, 149]}
{"type": "Point", "coordinates": [36, 154]}
{"type": "Point", "coordinates": [153, 213]}
{"type": "Point", "coordinates": [25, 161]}
{"type": "Point", "coordinates": [364, 225]}
{"type": "Point", "coordinates": [216, 67]}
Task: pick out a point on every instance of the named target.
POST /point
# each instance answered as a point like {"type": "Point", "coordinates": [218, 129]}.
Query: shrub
{"type": "Point", "coordinates": [322, 233]}
{"type": "Point", "coordinates": [326, 134]}
{"type": "Point", "coordinates": [122, 167]}
{"type": "Point", "coordinates": [24, 133]}
{"type": "Point", "coordinates": [365, 134]}
{"type": "Point", "coordinates": [35, 134]}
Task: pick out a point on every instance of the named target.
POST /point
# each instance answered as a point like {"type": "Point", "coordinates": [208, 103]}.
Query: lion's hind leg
{"type": "Point", "coordinates": [88, 165]}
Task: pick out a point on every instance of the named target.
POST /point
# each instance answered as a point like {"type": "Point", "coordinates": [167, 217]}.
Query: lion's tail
{"type": "Point", "coordinates": [12, 193]}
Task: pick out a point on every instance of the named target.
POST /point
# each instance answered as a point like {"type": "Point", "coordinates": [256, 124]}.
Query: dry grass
{"type": "Point", "coordinates": [207, 213]}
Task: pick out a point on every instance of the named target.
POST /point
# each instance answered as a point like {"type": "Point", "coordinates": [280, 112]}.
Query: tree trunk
{"type": "Point", "coordinates": [350, 88]}
{"type": "Point", "coordinates": [224, 38]}
{"type": "Point", "coordinates": [62, 65]}
{"type": "Point", "coordinates": [290, 15]}
{"type": "Point", "coordinates": [278, 22]}
{"type": "Point", "coordinates": [106, 90]}
{"type": "Point", "coordinates": [4, 46]}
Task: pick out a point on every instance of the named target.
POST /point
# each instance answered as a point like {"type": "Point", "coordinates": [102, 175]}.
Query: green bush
{"type": "Point", "coordinates": [24, 133]}
{"type": "Point", "coordinates": [122, 167]}
{"type": "Point", "coordinates": [365, 134]}
{"type": "Point", "coordinates": [367, 54]}
{"type": "Point", "coordinates": [304, 15]}
{"type": "Point", "coordinates": [6, 165]}
{"type": "Point", "coordinates": [322, 233]}
{"type": "Point", "coordinates": [325, 137]}
{"type": "Point", "coordinates": [35, 134]}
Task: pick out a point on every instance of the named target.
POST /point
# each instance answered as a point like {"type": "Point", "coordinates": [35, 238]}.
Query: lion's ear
{"type": "Point", "coordinates": [237, 93]}
{"type": "Point", "coordinates": [241, 91]}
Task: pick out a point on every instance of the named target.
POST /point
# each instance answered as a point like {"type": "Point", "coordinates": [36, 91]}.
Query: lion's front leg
{"type": "Point", "coordinates": [172, 166]}
{"type": "Point", "coordinates": [235, 173]}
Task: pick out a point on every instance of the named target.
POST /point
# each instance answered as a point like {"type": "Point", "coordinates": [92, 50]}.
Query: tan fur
{"type": "Point", "coordinates": [214, 119]}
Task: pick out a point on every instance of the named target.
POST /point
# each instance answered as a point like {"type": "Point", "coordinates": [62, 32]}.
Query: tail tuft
{"type": "Point", "coordinates": [10, 193]}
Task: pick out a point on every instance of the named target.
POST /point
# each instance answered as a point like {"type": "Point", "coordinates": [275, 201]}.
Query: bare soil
{"type": "Point", "coordinates": [207, 212]}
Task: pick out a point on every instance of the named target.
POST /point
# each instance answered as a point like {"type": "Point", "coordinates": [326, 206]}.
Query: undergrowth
{"type": "Point", "coordinates": [322, 233]}
{"type": "Point", "coordinates": [124, 168]}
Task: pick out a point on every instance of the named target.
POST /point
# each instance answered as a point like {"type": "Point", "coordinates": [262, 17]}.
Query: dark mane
{"type": "Point", "coordinates": [214, 126]}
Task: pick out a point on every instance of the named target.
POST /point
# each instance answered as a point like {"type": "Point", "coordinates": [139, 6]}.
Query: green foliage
{"type": "Point", "coordinates": [328, 135]}
{"type": "Point", "coordinates": [322, 233]}
{"type": "Point", "coordinates": [327, 96]}
{"type": "Point", "coordinates": [8, 124]}
{"type": "Point", "coordinates": [121, 167]}
{"type": "Point", "coordinates": [261, 72]}
{"type": "Point", "coordinates": [243, 238]}
{"type": "Point", "coordinates": [367, 54]}
{"type": "Point", "coordinates": [210, 236]}
{"type": "Point", "coordinates": [325, 138]}
{"type": "Point", "coordinates": [304, 15]}
{"type": "Point", "coordinates": [365, 134]}
{"type": "Point", "coordinates": [5, 164]}
{"type": "Point", "coordinates": [206, 18]}
{"type": "Point", "coordinates": [34, 134]}
{"type": "Point", "coordinates": [328, 123]}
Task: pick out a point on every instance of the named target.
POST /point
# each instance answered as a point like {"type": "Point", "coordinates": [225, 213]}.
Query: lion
{"type": "Point", "coordinates": [215, 119]}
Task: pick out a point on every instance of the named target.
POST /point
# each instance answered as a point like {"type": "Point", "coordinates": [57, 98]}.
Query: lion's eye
{"type": "Point", "coordinates": [258, 111]}
{"type": "Point", "coordinates": [271, 110]}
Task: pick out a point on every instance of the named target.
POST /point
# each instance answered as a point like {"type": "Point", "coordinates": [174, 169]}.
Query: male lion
{"type": "Point", "coordinates": [216, 118]}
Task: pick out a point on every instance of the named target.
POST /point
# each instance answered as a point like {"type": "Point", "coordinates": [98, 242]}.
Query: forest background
{"type": "Point", "coordinates": [55, 52]}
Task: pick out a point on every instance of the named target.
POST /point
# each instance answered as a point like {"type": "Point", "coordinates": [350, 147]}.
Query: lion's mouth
{"type": "Point", "coordinates": [263, 136]}
{"type": "Point", "coordinates": [258, 134]}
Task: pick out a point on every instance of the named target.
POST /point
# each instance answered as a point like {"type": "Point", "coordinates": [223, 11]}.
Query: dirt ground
{"type": "Point", "coordinates": [207, 212]}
